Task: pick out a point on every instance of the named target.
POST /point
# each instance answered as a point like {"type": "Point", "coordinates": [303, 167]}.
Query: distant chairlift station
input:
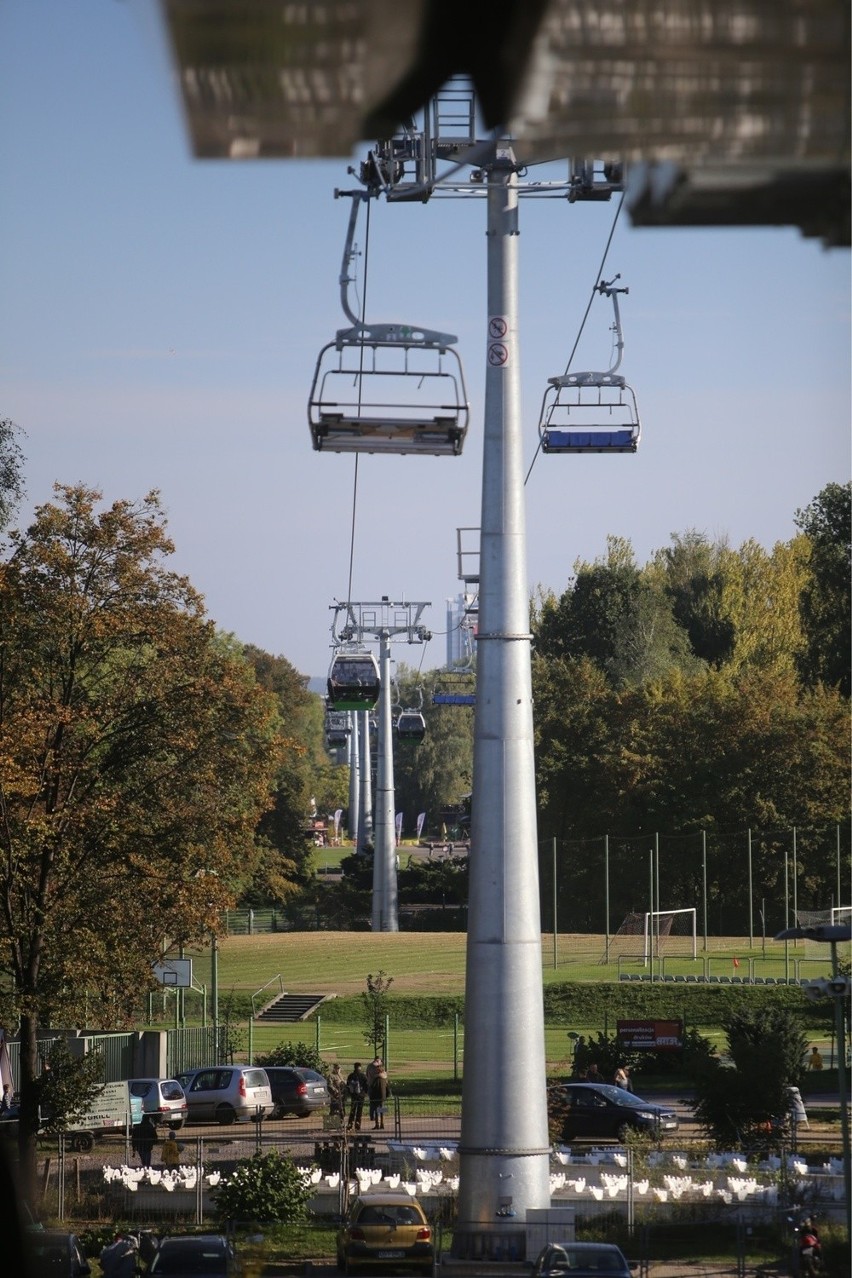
{"type": "Point", "coordinates": [386, 388]}
{"type": "Point", "coordinates": [593, 412]}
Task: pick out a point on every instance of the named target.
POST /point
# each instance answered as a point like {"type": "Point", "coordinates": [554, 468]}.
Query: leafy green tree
{"type": "Point", "coordinates": [760, 596]}
{"type": "Point", "coordinates": [693, 580]}
{"type": "Point", "coordinates": [433, 773]}
{"type": "Point", "coordinates": [375, 1001]}
{"type": "Point", "coordinates": [737, 1104]}
{"type": "Point", "coordinates": [439, 882]}
{"type": "Point", "coordinates": [262, 1190]}
{"type": "Point", "coordinates": [285, 864]}
{"type": "Point", "coordinates": [67, 1084]}
{"type": "Point", "coordinates": [825, 598]}
{"type": "Point", "coordinates": [11, 470]}
{"type": "Point", "coordinates": [137, 754]}
{"type": "Point", "coordinates": [586, 620]}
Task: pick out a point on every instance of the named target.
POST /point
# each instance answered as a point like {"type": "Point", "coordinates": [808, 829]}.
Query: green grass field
{"type": "Point", "coordinates": [433, 962]}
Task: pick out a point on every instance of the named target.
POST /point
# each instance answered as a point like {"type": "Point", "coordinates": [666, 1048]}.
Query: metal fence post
{"type": "Point", "coordinates": [455, 1047]}
{"type": "Point", "coordinates": [199, 1180]}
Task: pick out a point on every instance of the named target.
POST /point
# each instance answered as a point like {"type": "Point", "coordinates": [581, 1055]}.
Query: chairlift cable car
{"type": "Point", "coordinates": [386, 388]}
{"type": "Point", "coordinates": [592, 412]}
{"type": "Point", "coordinates": [410, 723]}
{"type": "Point", "coordinates": [353, 679]}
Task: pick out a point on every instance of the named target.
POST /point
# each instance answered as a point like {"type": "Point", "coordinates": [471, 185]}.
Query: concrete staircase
{"type": "Point", "coordinates": [290, 1007]}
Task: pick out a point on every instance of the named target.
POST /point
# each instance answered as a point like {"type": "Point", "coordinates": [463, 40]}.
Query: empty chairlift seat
{"type": "Point", "coordinates": [589, 413]}
{"type": "Point", "coordinates": [388, 388]}
{"type": "Point", "coordinates": [592, 412]}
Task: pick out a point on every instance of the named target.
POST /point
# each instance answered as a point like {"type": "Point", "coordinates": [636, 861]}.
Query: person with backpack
{"type": "Point", "coordinates": [357, 1089]}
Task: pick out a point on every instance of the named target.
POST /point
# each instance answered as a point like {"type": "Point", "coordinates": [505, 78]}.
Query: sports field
{"type": "Point", "coordinates": [424, 963]}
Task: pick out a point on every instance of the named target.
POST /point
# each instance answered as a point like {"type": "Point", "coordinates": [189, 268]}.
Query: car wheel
{"type": "Point", "coordinates": [278, 1111]}
{"type": "Point", "coordinates": [623, 1132]}
{"type": "Point", "coordinates": [176, 1126]}
{"type": "Point", "coordinates": [225, 1116]}
{"type": "Point", "coordinates": [304, 1113]}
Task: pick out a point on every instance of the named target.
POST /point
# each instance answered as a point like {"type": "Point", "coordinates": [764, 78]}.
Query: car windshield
{"type": "Point", "coordinates": [190, 1260]}
{"type": "Point", "coordinates": [597, 1260]}
{"type": "Point", "coordinates": [389, 1215]}
{"type": "Point", "coordinates": [619, 1096]}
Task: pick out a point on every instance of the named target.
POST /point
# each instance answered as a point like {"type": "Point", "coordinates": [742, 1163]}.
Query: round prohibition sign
{"type": "Point", "coordinates": [497, 326]}
{"type": "Point", "coordinates": [498, 354]}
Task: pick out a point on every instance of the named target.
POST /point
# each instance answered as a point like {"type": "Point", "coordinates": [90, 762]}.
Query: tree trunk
{"type": "Point", "coordinates": [28, 1120]}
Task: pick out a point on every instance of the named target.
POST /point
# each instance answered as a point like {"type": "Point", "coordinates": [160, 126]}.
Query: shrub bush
{"type": "Point", "coordinates": [262, 1189]}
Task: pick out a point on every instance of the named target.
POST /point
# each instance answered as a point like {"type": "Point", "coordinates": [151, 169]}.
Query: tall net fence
{"type": "Point", "coordinates": [747, 884]}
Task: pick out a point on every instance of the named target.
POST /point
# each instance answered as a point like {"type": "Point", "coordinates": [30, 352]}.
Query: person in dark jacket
{"type": "Point", "coordinates": [357, 1089]}
{"type": "Point", "coordinates": [379, 1092]}
{"type": "Point", "coordinates": [144, 1139]}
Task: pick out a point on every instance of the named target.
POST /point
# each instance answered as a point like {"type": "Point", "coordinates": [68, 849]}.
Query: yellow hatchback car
{"type": "Point", "coordinates": [385, 1231]}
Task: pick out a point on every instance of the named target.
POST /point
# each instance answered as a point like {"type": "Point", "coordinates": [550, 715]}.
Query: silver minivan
{"type": "Point", "coordinates": [226, 1094]}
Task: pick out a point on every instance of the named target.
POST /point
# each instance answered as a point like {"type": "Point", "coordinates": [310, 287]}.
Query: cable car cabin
{"type": "Point", "coordinates": [389, 389]}
{"type": "Point", "coordinates": [589, 413]}
{"type": "Point", "coordinates": [410, 726]}
{"type": "Point", "coordinates": [336, 728]}
{"type": "Point", "coordinates": [353, 681]}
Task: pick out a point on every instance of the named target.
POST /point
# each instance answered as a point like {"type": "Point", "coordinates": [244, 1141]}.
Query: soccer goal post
{"type": "Point", "coordinates": [670, 932]}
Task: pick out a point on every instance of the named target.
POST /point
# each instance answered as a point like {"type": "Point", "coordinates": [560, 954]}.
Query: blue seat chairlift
{"type": "Point", "coordinates": [592, 412]}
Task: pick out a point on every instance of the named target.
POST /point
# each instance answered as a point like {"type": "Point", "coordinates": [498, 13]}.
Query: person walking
{"type": "Point", "coordinates": [145, 1138]}
{"type": "Point", "coordinates": [170, 1152]}
{"type": "Point", "coordinates": [357, 1090]}
{"type": "Point", "coordinates": [336, 1085]}
{"type": "Point", "coordinates": [815, 1059]}
{"type": "Point", "coordinates": [379, 1092]}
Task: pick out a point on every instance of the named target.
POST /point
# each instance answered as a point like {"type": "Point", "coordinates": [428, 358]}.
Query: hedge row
{"type": "Point", "coordinates": [587, 1004]}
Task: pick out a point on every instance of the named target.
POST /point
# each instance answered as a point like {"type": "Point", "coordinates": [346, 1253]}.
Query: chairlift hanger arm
{"type": "Point", "coordinates": [606, 289]}
{"type": "Point", "coordinates": [346, 278]}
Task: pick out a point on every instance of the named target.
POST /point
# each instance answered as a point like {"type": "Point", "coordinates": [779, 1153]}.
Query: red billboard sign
{"type": "Point", "coordinates": [650, 1036]}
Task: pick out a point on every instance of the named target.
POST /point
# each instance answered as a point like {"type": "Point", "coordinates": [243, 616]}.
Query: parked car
{"type": "Point", "coordinates": [163, 1098]}
{"type": "Point", "coordinates": [227, 1094]}
{"type": "Point", "coordinates": [385, 1231]}
{"type": "Point", "coordinates": [601, 1111]}
{"type": "Point", "coordinates": [296, 1090]}
{"type": "Point", "coordinates": [195, 1256]}
{"type": "Point", "coordinates": [582, 1260]}
{"type": "Point", "coordinates": [56, 1254]}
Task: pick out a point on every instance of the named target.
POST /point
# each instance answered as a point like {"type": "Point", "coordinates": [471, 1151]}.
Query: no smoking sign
{"type": "Point", "coordinates": [498, 347]}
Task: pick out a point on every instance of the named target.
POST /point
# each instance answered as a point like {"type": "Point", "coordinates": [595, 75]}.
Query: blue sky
{"type": "Point", "coordinates": [161, 318]}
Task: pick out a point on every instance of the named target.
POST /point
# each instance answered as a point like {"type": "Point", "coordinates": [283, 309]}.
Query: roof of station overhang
{"type": "Point", "coordinates": [726, 111]}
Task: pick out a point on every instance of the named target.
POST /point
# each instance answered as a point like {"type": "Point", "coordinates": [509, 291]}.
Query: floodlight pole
{"type": "Point", "coordinates": [385, 917]}
{"type": "Point", "coordinates": [504, 1152]}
